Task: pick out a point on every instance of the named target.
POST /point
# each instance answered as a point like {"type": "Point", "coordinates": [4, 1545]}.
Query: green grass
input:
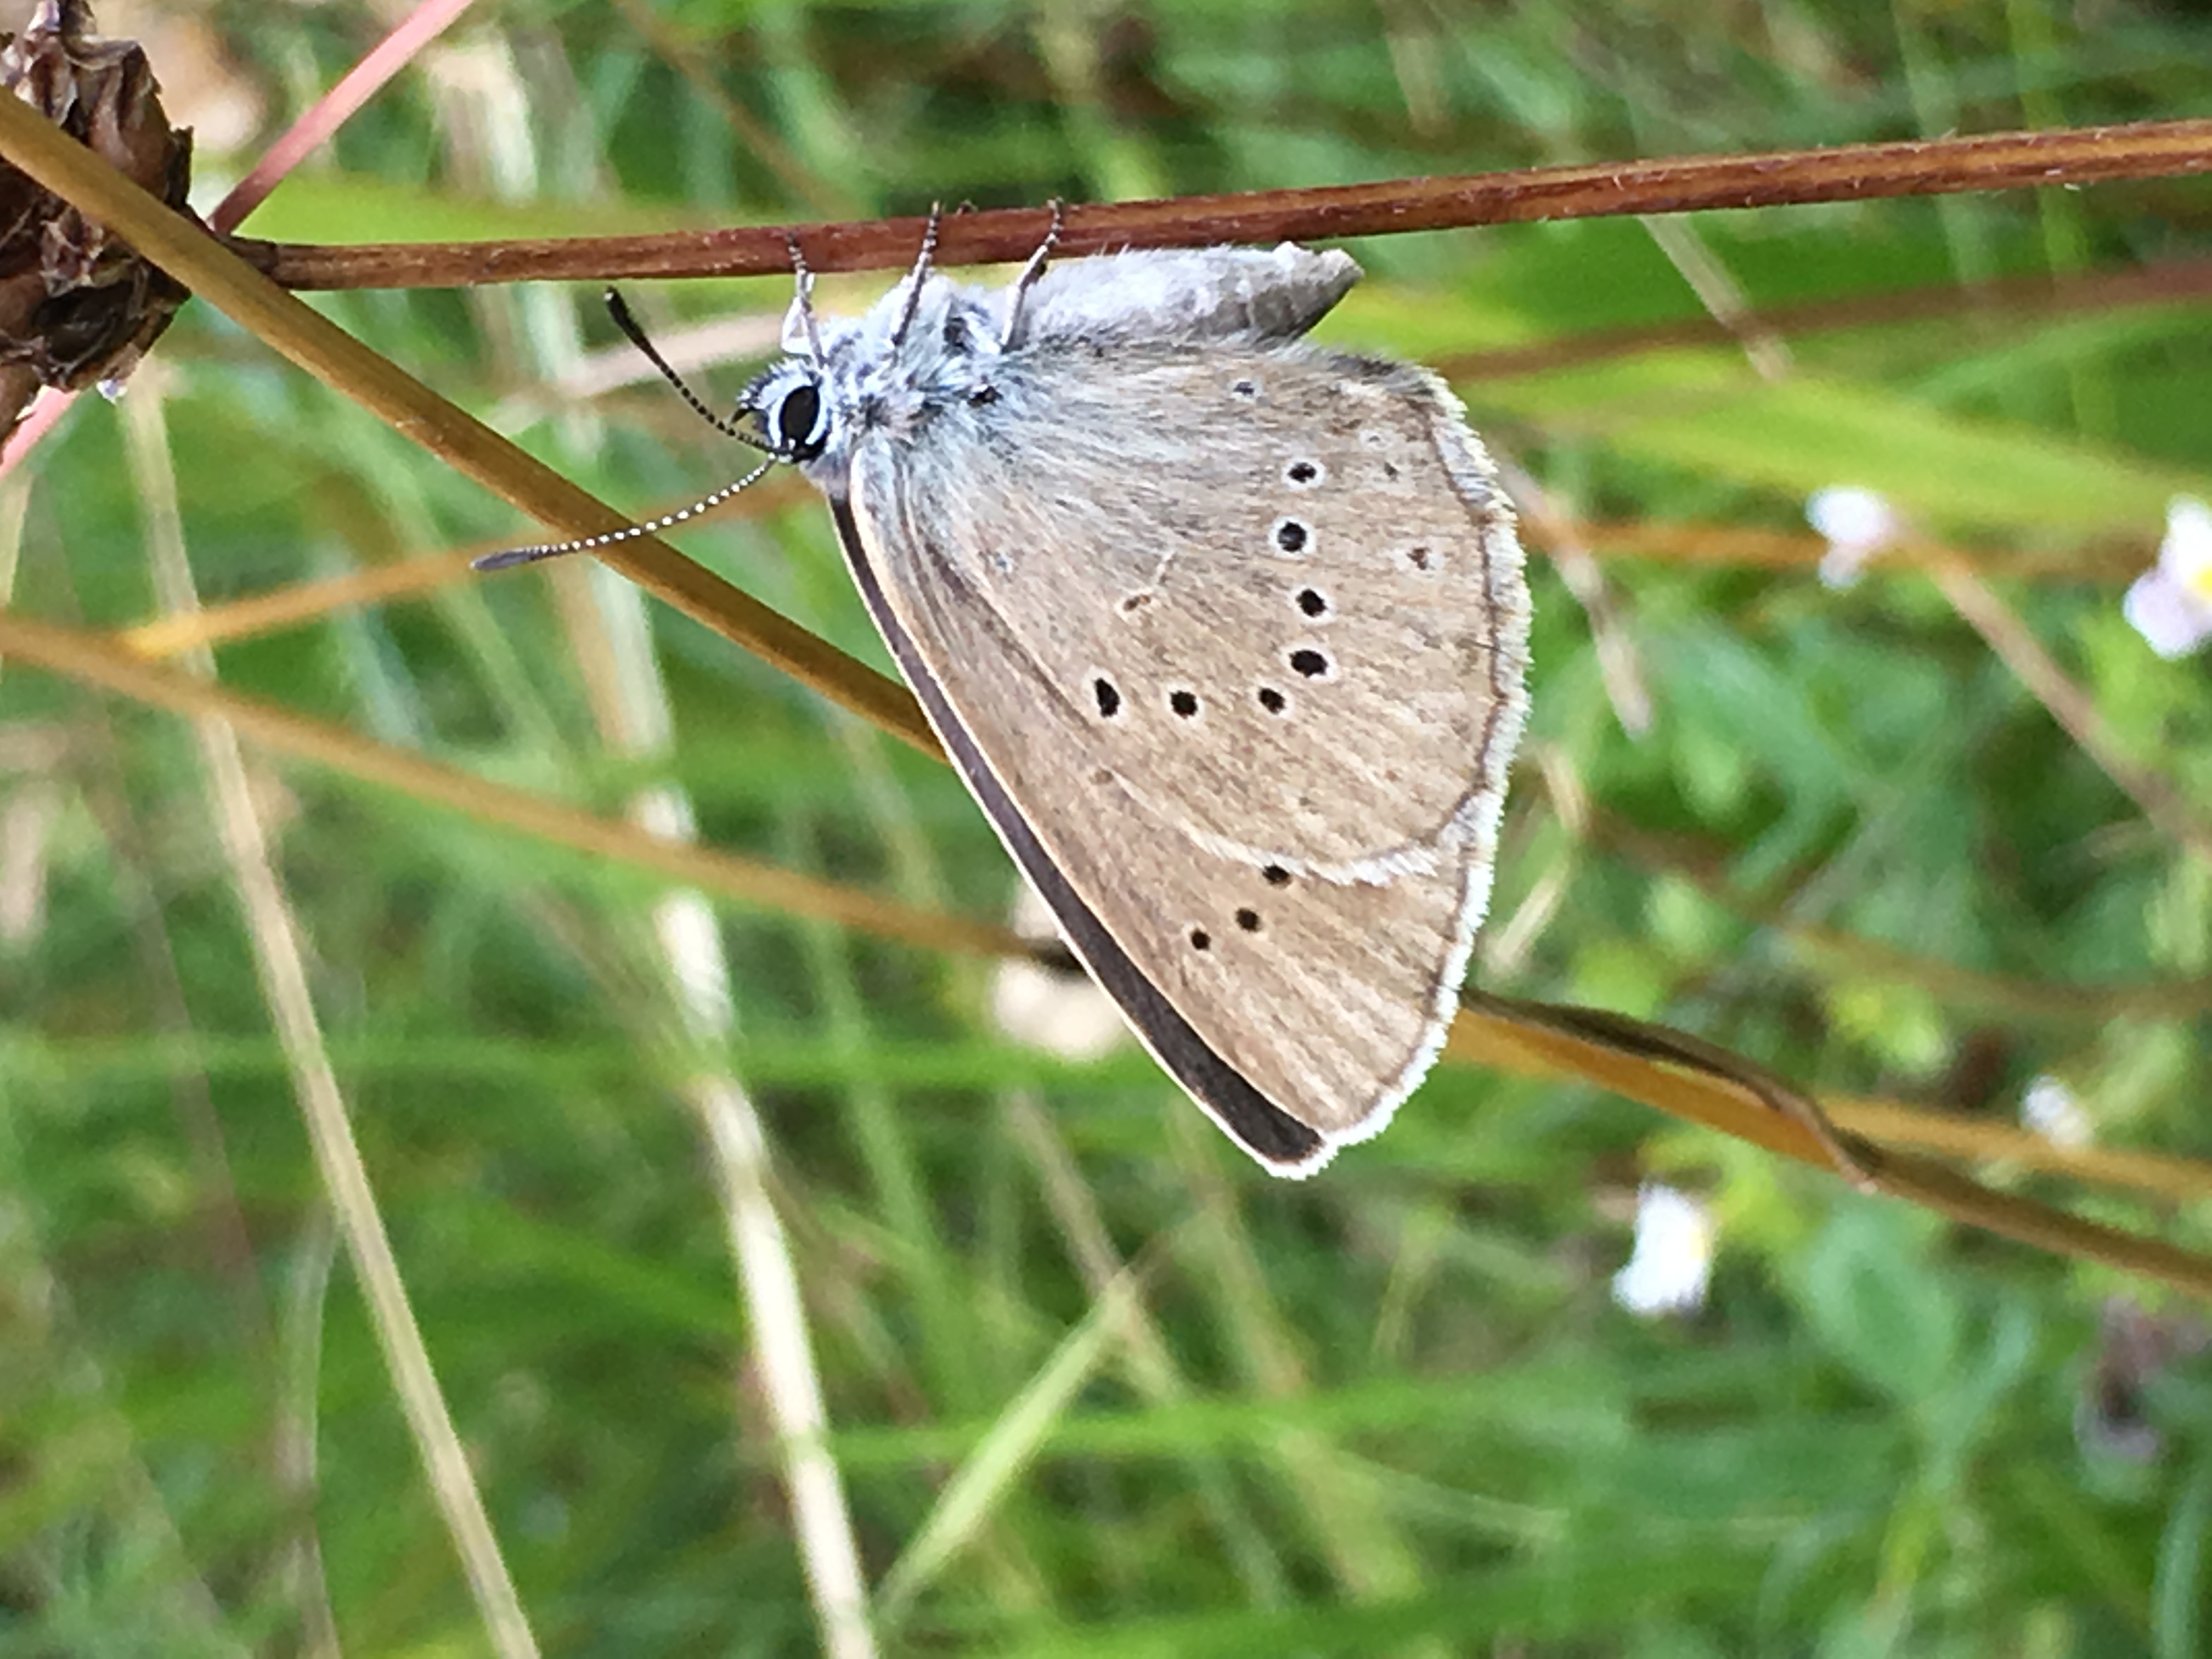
{"type": "Point", "coordinates": [1393, 1410]}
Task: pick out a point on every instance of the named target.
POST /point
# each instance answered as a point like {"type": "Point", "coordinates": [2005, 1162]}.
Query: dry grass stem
{"type": "Point", "coordinates": [635, 719]}
{"type": "Point", "coordinates": [326, 351]}
{"type": "Point", "coordinates": [278, 958]}
{"type": "Point", "coordinates": [1492, 1034]}
{"type": "Point", "coordinates": [2072, 708]}
{"type": "Point", "coordinates": [2158, 1174]}
{"type": "Point", "coordinates": [93, 661]}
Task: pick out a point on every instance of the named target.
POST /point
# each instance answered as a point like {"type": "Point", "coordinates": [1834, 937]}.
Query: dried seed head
{"type": "Point", "coordinates": [76, 305]}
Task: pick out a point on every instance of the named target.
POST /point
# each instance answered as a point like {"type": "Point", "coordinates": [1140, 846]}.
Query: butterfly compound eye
{"type": "Point", "coordinates": [797, 424]}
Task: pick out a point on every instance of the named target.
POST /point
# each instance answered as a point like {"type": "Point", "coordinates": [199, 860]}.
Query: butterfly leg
{"type": "Point", "coordinates": [919, 275]}
{"type": "Point", "coordinates": [798, 328]}
{"type": "Point", "coordinates": [1033, 272]}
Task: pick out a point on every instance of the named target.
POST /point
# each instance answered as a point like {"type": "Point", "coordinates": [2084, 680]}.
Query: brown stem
{"type": "Point", "coordinates": [1849, 173]}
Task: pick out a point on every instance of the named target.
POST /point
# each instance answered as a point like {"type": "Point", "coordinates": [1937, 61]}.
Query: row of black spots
{"type": "Point", "coordinates": [1108, 696]}
{"type": "Point", "coordinates": [1184, 704]}
{"type": "Point", "coordinates": [1304, 474]}
{"type": "Point", "coordinates": [1292, 537]}
{"type": "Point", "coordinates": [1312, 602]}
{"type": "Point", "coordinates": [1247, 919]}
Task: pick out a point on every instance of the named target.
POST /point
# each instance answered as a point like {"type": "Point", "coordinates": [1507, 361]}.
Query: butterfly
{"type": "Point", "coordinates": [1226, 633]}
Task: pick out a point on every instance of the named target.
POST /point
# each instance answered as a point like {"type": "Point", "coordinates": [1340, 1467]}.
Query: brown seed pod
{"type": "Point", "coordinates": [77, 307]}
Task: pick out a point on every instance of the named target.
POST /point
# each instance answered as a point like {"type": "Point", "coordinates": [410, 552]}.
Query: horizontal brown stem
{"type": "Point", "coordinates": [1849, 173]}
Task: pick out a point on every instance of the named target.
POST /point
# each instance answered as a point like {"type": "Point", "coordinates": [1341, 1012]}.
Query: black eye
{"type": "Point", "coordinates": [795, 419]}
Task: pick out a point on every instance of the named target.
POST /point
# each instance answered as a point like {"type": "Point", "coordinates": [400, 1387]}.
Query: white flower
{"type": "Point", "coordinates": [1673, 1257]}
{"type": "Point", "coordinates": [1856, 524]}
{"type": "Point", "coordinates": [2171, 604]}
{"type": "Point", "coordinates": [2053, 1111]}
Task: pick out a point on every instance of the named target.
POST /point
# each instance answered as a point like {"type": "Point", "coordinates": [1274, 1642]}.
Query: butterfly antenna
{"type": "Point", "coordinates": [634, 331]}
{"type": "Point", "coordinates": [919, 273]}
{"type": "Point", "coordinates": [1034, 270]}
{"type": "Point", "coordinates": [805, 279]}
{"type": "Point", "coordinates": [514, 555]}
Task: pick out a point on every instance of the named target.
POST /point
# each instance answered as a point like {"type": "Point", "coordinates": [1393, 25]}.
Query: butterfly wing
{"type": "Point", "coordinates": [1291, 617]}
{"type": "Point", "coordinates": [1299, 1004]}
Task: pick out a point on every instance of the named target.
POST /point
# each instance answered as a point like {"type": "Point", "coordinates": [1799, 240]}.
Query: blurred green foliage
{"type": "Point", "coordinates": [1401, 1412]}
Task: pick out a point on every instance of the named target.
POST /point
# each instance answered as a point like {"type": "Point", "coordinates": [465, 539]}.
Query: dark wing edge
{"type": "Point", "coordinates": [1282, 1142]}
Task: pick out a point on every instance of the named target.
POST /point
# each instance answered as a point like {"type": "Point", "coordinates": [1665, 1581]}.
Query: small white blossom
{"type": "Point", "coordinates": [1856, 524]}
{"type": "Point", "coordinates": [2171, 604]}
{"type": "Point", "coordinates": [2055, 1112]}
{"type": "Point", "coordinates": [1674, 1258]}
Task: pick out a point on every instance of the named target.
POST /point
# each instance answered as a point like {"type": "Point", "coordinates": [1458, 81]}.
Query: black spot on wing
{"type": "Point", "coordinates": [1267, 1131]}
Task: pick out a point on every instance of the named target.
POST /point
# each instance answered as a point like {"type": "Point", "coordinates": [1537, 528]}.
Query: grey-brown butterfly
{"type": "Point", "coordinates": [1226, 633]}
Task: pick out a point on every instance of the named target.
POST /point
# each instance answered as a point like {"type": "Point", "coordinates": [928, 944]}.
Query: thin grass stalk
{"type": "Point", "coordinates": [1347, 1523]}
{"type": "Point", "coordinates": [1490, 1032]}
{"type": "Point", "coordinates": [2155, 1174]}
{"type": "Point", "coordinates": [2076, 711]}
{"type": "Point", "coordinates": [698, 973]}
{"type": "Point", "coordinates": [1147, 1359]}
{"type": "Point", "coordinates": [279, 964]}
{"type": "Point", "coordinates": [299, 1332]}
{"type": "Point", "coordinates": [1829, 950]}
{"type": "Point", "coordinates": [963, 1508]}
{"type": "Point", "coordinates": [90, 659]}
{"type": "Point", "coordinates": [299, 603]}
{"type": "Point", "coordinates": [316, 124]}
{"type": "Point", "coordinates": [2012, 300]}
